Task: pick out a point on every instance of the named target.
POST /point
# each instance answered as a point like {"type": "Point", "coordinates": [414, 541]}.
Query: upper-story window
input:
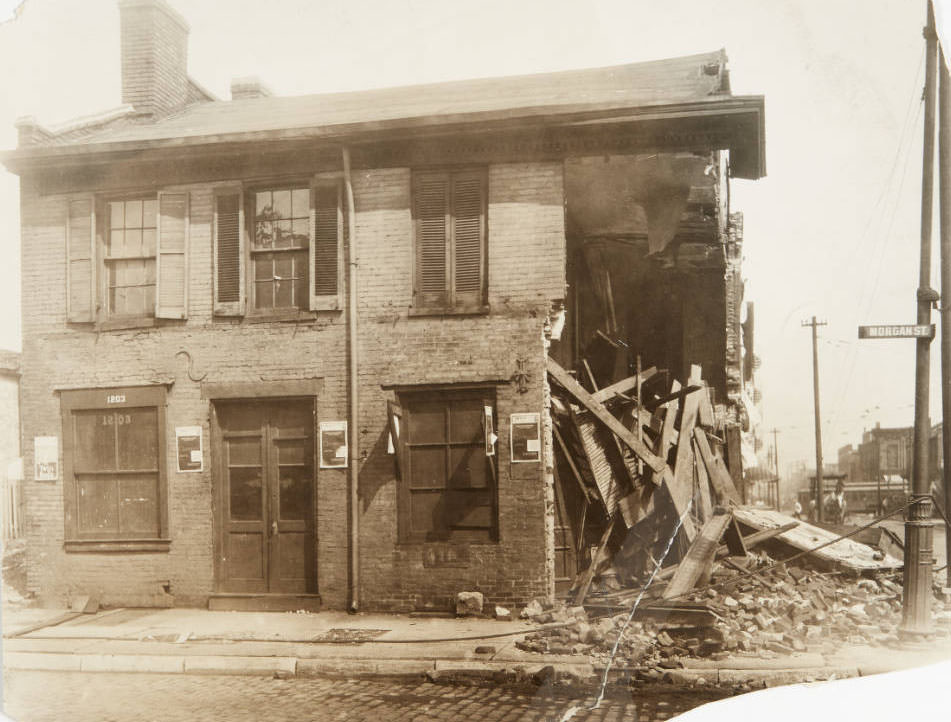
{"type": "Point", "coordinates": [449, 219]}
{"type": "Point", "coordinates": [280, 244]}
{"type": "Point", "coordinates": [292, 259]}
{"type": "Point", "coordinates": [129, 260]}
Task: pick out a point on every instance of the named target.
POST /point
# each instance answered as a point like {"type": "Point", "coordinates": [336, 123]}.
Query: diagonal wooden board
{"type": "Point", "coordinates": [605, 416]}
{"type": "Point", "coordinates": [696, 564]}
{"type": "Point", "coordinates": [720, 478]}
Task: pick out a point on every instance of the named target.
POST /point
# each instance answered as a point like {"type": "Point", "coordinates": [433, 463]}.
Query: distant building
{"type": "Point", "coordinates": [886, 453]}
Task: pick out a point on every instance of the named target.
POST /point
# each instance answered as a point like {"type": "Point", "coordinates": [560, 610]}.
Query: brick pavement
{"type": "Point", "coordinates": [31, 696]}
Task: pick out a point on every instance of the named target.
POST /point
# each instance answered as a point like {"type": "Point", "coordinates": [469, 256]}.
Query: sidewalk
{"type": "Point", "coordinates": [196, 641]}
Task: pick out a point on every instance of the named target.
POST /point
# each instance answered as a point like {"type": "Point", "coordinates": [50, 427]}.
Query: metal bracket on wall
{"type": "Point", "coordinates": [191, 364]}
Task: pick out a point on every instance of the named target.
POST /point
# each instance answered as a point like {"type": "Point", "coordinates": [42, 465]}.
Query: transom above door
{"type": "Point", "coordinates": [264, 473]}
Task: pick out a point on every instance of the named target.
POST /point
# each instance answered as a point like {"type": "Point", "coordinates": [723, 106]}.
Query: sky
{"type": "Point", "coordinates": [832, 231]}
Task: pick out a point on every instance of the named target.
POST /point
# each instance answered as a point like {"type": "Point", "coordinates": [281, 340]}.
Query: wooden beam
{"type": "Point", "coordinates": [699, 557]}
{"type": "Point", "coordinates": [681, 489]}
{"type": "Point", "coordinates": [623, 386]}
{"type": "Point", "coordinates": [757, 538]}
{"type": "Point", "coordinates": [584, 583]}
{"type": "Point", "coordinates": [720, 478]}
{"type": "Point", "coordinates": [669, 428]}
{"type": "Point", "coordinates": [703, 481]}
{"type": "Point", "coordinates": [604, 416]}
{"type": "Point", "coordinates": [571, 463]}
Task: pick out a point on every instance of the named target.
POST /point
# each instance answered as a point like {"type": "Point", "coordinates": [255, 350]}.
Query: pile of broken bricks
{"type": "Point", "coordinates": [783, 611]}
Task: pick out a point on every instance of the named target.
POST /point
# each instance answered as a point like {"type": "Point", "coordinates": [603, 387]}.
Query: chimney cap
{"type": "Point", "coordinates": [158, 5]}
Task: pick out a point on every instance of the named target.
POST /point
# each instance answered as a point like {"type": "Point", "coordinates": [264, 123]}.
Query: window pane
{"type": "Point", "coordinates": [137, 431]}
{"type": "Point", "coordinates": [148, 242]}
{"type": "Point", "coordinates": [293, 452]}
{"type": "Point", "coordinates": [264, 266]}
{"type": "Point", "coordinates": [117, 214]}
{"type": "Point", "coordinates": [149, 211]}
{"type": "Point", "coordinates": [426, 512]}
{"type": "Point", "coordinates": [117, 243]}
{"type": "Point", "coordinates": [97, 507]}
{"type": "Point", "coordinates": [427, 467]}
{"type": "Point", "coordinates": [428, 422]}
{"type": "Point", "coordinates": [468, 509]}
{"type": "Point", "coordinates": [296, 483]}
{"type": "Point", "coordinates": [133, 242]}
{"type": "Point", "coordinates": [465, 420]}
{"type": "Point", "coordinates": [300, 229]}
{"type": "Point", "coordinates": [138, 506]}
{"type": "Point", "coordinates": [264, 294]}
{"type": "Point", "coordinates": [469, 468]}
{"type": "Point", "coordinates": [283, 265]}
{"type": "Point", "coordinates": [133, 214]}
{"type": "Point", "coordinates": [300, 202]}
{"type": "Point", "coordinates": [282, 234]}
{"type": "Point", "coordinates": [282, 203]}
{"type": "Point", "coordinates": [263, 209]}
{"type": "Point", "coordinates": [245, 493]}
{"type": "Point", "coordinates": [94, 441]}
{"type": "Point", "coordinates": [244, 452]}
{"type": "Point", "coordinates": [282, 294]}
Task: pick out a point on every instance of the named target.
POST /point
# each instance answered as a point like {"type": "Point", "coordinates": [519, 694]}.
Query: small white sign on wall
{"type": "Point", "coordinates": [525, 438]}
{"type": "Point", "coordinates": [333, 445]}
{"type": "Point", "coordinates": [46, 458]}
{"type": "Point", "coordinates": [188, 448]}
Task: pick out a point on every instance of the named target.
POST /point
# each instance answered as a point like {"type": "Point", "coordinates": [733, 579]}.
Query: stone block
{"type": "Point", "coordinates": [469, 604]}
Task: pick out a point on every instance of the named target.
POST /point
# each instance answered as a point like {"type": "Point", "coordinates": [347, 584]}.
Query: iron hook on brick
{"type": "Point", "coordinates": [191, 364]}
{"type": "Point", "coordinates": [520, 377]}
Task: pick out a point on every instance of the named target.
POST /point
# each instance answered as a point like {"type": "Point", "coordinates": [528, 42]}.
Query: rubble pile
{"type": "Point", "coordinates": [779, 611]}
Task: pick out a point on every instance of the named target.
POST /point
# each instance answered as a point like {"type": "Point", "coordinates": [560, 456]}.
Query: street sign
{"type": "Point", "coordinates": [899, 330]}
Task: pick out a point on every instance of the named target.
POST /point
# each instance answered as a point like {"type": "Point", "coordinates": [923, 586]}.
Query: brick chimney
{"type": "Point", "coordinates": [154, 42]}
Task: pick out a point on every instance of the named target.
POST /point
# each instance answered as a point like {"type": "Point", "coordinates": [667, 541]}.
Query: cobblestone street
{"type": "Point", "coordinates": [32, 696]}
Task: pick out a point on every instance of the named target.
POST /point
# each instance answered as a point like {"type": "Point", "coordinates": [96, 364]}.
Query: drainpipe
{"type": "Point", "coordinates": [353, 419]}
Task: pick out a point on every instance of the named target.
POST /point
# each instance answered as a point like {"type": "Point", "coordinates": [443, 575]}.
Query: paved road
{"type": "Point", "coordinates": [55, 696]}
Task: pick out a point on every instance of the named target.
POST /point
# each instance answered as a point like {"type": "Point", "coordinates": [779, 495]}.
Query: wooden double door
{"type": "Point", "coordinates": [266, 496]}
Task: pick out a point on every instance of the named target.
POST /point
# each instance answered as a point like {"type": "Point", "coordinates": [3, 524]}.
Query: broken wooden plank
{"type": "Point", "coordinates": [735, 544]}
{"type": "Point", "coordinates": [843, 553]}
{"type": "Point", "coordinates": [703, 483]}
{"type": "Point", "coordinates": [699, 557]}
{"type": "Point", "coordinates": [623, 386]}
{"type": "Point", "coordinates": [720, 478]}
{"type": "Point", "coordinates": [584, 582]}
{"type": "Point", "coordinates": [755, 538]}
{"type": "Point", "coordinates": [681, 488]}
{"type": "Point", "coordinates": [632, 508]}
{"type": "Point", "coordinates": [571, 463]}
{"type": "Point", "coordinates": [595, 451]}
{"type": "Point", "coordinates": [670, 419]}
{"type": "Point", "coordinates": [705, 416]}
{"type": "Point", "coordinates": [604, 416]}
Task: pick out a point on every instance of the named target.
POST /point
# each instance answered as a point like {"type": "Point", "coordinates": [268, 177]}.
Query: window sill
{"type": "Point", "coordinates": [116, 545]}
{"type": "Point", "coordinates": [288, 316]}
{"type": "Point", "coordinates": [481, 310]}
{"type": "Point", "coordinates": [119, 324]}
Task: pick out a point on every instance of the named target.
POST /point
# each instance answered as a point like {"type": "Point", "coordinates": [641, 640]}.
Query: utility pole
{"type": "Point", "coordinates": [815, 386]}
{"type": "Point", "coordinates": [775, 433]}
{"type": "Point", "coordinates": [944, 206]}
{"type": "Point", "coordinates": [919, 538]}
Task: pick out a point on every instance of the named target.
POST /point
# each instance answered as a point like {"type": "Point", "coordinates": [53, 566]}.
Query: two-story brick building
{"type": "Point", "coordinates": [280, 340]}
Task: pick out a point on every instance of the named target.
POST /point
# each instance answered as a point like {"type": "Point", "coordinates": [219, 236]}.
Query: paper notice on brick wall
{"type": "Point", "coordinates": [188, 445]}
{"type": "Point", "coordinates": [46, 458]}
{"type": "Point", "coordinates": [525, 438]}
{"type": "Point", "coordinates": [333, 445]}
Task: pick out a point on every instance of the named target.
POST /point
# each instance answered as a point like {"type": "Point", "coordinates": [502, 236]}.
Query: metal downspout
{"type": "Point", "coordinates": [353, 420]}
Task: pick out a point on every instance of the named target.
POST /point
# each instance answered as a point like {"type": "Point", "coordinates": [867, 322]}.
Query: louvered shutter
{"type": "Point", "coordinates": [326, 242]}
{"type": "Point", "coordinates": [229, 253]}
{"type": "Point", "coordinates": [171, 257]}
{"type": "Point", "coordinates": [80, 260]}
{"type": "Point", "coordinates": [431, 215]}
{"type": "Point", "coordinates": [468, 238]}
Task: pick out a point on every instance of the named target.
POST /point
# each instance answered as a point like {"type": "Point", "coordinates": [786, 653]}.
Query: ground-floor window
{"type": "Point", "coordinates": [114, 481]}
{"type": "Point", "coordinates": [448, 489]}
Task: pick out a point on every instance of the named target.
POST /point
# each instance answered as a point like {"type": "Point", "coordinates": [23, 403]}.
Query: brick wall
{"type": "Point", "coordinates": [526, 273]}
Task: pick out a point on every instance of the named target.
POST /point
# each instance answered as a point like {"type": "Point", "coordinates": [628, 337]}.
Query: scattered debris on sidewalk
{"type": "Point", "coordinates": [657, 507]}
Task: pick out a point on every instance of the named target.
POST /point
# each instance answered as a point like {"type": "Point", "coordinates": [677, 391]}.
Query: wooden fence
{"type": "Point", "coordinates": [11, 506]}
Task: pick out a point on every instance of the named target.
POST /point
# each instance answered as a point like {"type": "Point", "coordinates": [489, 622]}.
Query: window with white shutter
{"type": "Point", "coordinates": [449, 217]}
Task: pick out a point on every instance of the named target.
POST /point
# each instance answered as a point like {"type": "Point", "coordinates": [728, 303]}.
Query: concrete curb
{"type": "Point", "coordinates": [288, 667]}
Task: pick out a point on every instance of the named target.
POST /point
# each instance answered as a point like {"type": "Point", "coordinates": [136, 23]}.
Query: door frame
{"type": "Point", "coordinates": [219, 482]}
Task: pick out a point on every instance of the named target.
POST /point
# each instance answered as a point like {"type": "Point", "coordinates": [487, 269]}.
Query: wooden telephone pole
{"type": "Point", "coordinates": [815, 385]}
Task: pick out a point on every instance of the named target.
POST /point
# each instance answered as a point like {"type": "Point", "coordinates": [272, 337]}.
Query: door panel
{"type": "Point", "coordinates": [266, 488]}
